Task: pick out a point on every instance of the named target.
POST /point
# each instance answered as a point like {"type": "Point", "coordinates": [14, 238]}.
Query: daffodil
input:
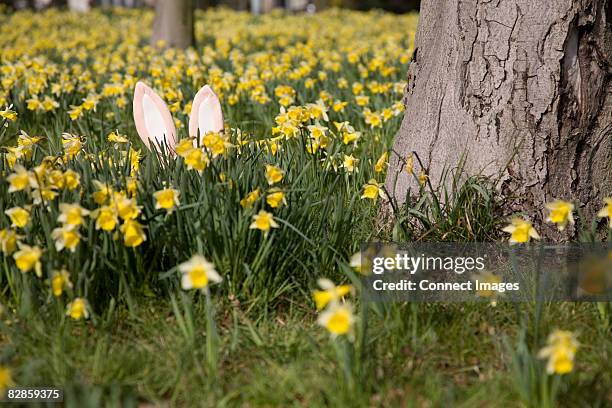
{"type": "Point", "coordinates": [72, 145]}
{"type": "Point", "coordinates": [374, 119]}
{"type": "Point", "coordinates": [115, 137]}
{"type": "Point", "coordinates": [215, 143]}
{"type": "Point", "coordinates": [183, 147]}
{"type": "Point", "coordinates": [198, 272]}
{"type": "Point", "coordinates": [560, 213]}
{"type": "Point", "coordinates": [8, 241]}
{"type": "Point", "coordinates": [317, 131]}
{"type": "Point", "coordinates": [349, 162]}
{"type": "Point", "coordinates": [275, 198]}
{"type": "Point", "coordinates": [195, 159]}
{"type": "Point", "coordinates": [521, 231]}
{"type": "Point", "coordinates": [606, 211]}
{"type": "Point", "coordinates": [249, 200]}
{"type": "Point", "coordinates": [6, 380]}
{"type": "Point", "coordinates": [423, 178]}
{"type": "Point", "coordinates": [78, 309]}
{"type": "Point", "coordinates": [8, 114]}
{"type": "Point", "coordinates": [409, 165]}
{"type": "Point", "coordinates": [133, 233]}
{"type": "Point", "coordinates": [20, 217]}
{"type": "Point", "coordinates": [60, 280]}
{"type": "Point", "coordinates": [102, 194]}
{"type": "Point", "coordinates": [330, 293]}
{"type": "Point", "coordinates": [489, 278]}
{"type": "Point", "coordinates": [381, 163]}
{"type": "Point", "coordinates": [349, 137]}
{"type": "Point", "coordinates": [355, 262]}
{"type": "Point", "coordinates": [106, 218]}
{"type": "Point", "coordinates": [273, 174]}
{"type": "Point", "coordinates": [263, 221]}
{"type": "Point", "coordinates": [19, 180]}
{"type": "Point", "coordinates": [72, 214]}
{"type": "Point", "coordinates": [28, 258]}
{"type": "Point", "coordinates": [166, 199]}
{"type": "Point", "coordinates": [127, 208]}
{"type": "Point", "coordinates": [318, 111]}
{"type": "Point", "coordinates": [560, 351]}
{"type": "Point", "coordinates": [373, 190]}
{"type": "Point", "coordinates": [338, 319]}
{"type": "Point", "coordinates": [66, 237]}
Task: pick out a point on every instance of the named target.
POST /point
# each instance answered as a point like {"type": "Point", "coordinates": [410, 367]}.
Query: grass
{"type": "Point", "coordinates": [449, 355]}
{"type": "Point", "coordinates": [253, 340]}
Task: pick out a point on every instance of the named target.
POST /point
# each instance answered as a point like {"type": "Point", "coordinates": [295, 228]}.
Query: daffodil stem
{"type": "Point", "coordinates": [212, 343]}
{"type": "Point", "coordinates": [344, 359]}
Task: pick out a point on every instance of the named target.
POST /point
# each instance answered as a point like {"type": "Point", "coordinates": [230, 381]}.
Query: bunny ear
{"type": "Point", "coordinates": [152, 118]}
{"type": "Point", "coordinates": [206, 115]}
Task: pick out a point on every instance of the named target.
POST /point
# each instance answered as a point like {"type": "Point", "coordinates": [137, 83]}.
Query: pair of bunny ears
{"type": "Point", "coordinates": [154, 122]}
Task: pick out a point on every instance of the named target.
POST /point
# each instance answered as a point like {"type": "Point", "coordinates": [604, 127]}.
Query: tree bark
{"type": "Point", "coordinates": [518, 88]}
{"type": "Point", "coordinates": [173, 23]}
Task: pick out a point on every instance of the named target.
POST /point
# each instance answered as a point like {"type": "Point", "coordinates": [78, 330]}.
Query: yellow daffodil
{"type": "Point", "coordinates": [72, 145]}
{"type": "Point", "coordinates": [103, 193]}
{"type": "Point", "coordinates": [8, 241]}
{"type": "Point", "coordinates": [6, 380]}
{"type": "Point", "coordinates": [423, 178]}
{"type": "Point", "coordinates": [263, 221]}
{"type": "Point", "coordinates": [349, 137]}
{"type": "Point", "coordinates": [78, 309]}
{"type": "Point", "coordinates": [8, 114]}
{"type": "Point", "coordinates": [273, 174]}
{"type": "Point", "coordinates": [317, 131]}
{"type": "Point", "coordinates": [362, 100]}
{"type": "Point", "coordinates": [60, 280]}
{"type": "Point", "coordinates": [131, 186]}
{"type": "Point", "coordinates": [115, 137]}
{"type": "Point", "coordinates": [381, 163]}
{"type": "Point", "coordinates": [490, 278]}
{"type": "Point", "coordinates": [606, 211]}
{"type": "Point", "coordinates": [19, 180]}
{"type": "Point", "coordinates": [72, 214]}
{"type": "Point", "coordinates": [198, 272]}
{"type": "Point", "coordinates": [355, 262]}
{"type": "Point", "coordinates": [106, 218]}
{"type": "Point", "coordinates": [349, 162]}
{"type": "Point", "coordinates": [215, 143]}
{"type": "Point", "coordinates": [166, 199]}
{"type": "Point", "coordinates": [560, 213]}
{"type": "Point", "coordinates": [249, 200]}
{"type": "Point", "coordinates": [71, 179]}
{"type": "Point", "coordinates": [409, 166]}
{"type": "Point", "coordinates": [28, 258]}
{"type": "Point", "coordinates": [66, 237]}
{"type": "Point", "coordinates": [20, 217]}
{"type": "Point", "coordinates": [560, 351]}
{"type": "Point", "coordinates": [127, 208]}
{"type": "Point", "coordinates": [133, 233]}
{"type": "Point", "coordinates": [521, 231]}
{"type": "Point", "coordinates": [318, 111]}
{"type": "Point", "coordinates": [373, 190]}
{"type": "Point", "coordinates": [374, 119]}
{"type": "Point", "coordinates": [275, 198]}
{"type": "Point", "coordinates": [195, 159]}
{"type": "Point", "coordinates": [330, 293]}
{"type": "Point", "coordinates": [338, 319]}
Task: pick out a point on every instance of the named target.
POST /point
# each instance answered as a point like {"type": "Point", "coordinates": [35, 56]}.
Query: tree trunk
{"type": "Point", "coordinates": [519, 88]}
{"type": "Point", "coordinates": [173, 23]}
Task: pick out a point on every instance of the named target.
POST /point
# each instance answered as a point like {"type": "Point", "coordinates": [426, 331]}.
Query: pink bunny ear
{"type": "Point", "coordinates": [206, 115]}
{"type": "Point", "coordinates": [152, 118]}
